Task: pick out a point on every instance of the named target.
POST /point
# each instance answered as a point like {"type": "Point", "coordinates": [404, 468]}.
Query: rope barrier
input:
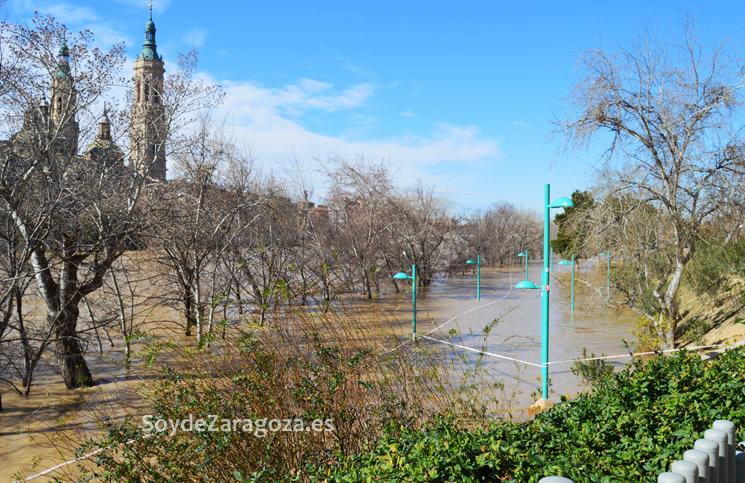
{"type": "Point", "coordinates": [617, 356]}
{"type": "Point", "coordinates": [451, 319]}
{"type": "Point", "coordinates": [75, 460]}
{"type": "Point", "coordinates": [480, 351]}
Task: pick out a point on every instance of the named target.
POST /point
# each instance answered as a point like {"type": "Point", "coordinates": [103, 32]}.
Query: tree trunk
{"type": "Point", "coordinates": [29, 362]}
{"type": "Point", "coordinates": [188, 301]}
{"type": "Point", "coordinates": [126, 332]}
{"type": "Point", "coordinates": [238, 298]}
{"type": "Point", "coordinates": [670, 304]}
{"type": "Point", "coordinates": [75, 370]}
{"type": "Point", "coordinates": [366, 284]}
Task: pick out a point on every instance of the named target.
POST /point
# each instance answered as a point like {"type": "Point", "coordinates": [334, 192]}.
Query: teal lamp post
{"type": "Point", "coordinates": [606, 254]}
{"type": "Point", "coordinates": [608, 275]}
{"type": "Point", "coordinates": [526, 261]}
{"type": "Point", "coordinates": [526, 284]}
{"type": "Point", "coordinates": [403, 276]}
{"type": "Point", "coordinates": [562, 202]}
{"type": "Point", "coordinates": [565, 262]}
{"type": "Point", "coordinates": [478, 275]}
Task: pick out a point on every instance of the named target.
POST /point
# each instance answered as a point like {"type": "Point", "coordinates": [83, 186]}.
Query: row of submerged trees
{"type": "Point", "coordinates": [93, 249]}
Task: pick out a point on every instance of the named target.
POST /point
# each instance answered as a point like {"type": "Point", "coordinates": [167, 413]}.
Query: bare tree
{"type": "Point", "coordinates": [200, 216]}
{"type": "Point", "coordinates": [73, 216]}
{"type": "Point", "coordinates": [420, 230]}
{"type": "Point", "coordinates": [675, 140]}
{"type": "Point", "coordinates": [358, 195]}
{"type": "Point", "coordinates": [498, 235]}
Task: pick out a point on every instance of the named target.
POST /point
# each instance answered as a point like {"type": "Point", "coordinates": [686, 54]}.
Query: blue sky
{"type": "Point", "coordinates": [458, 94]}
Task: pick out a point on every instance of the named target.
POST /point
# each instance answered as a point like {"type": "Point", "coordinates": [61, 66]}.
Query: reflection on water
{"type": "Point", "coordinates": [447, 310]}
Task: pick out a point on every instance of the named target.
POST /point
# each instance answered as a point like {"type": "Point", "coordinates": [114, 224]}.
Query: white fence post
{"type": "Point", "coordinates": [711, 448]}
{"type": "Point", "coordinates": [729, 428]}
{"type": "Point", "coordinates": [687, 469]}
{"type": "Point", "coordinates": [670, 478]}
{"type": "Point", "coordinates": [720, 437]}
{"type": "Point", "coordinates": [700, 459]}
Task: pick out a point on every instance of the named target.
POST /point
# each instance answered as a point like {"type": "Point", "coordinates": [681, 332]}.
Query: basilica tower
{"type": "Point", "coordinates": [147, 133]}
{"type": "Point", "coordinates": [64, 106]}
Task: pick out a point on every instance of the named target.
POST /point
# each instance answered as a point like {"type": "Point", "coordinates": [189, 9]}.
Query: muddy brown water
{"type": "Point", "coordinates": [34, 428]}
{"type": "Point", "coordinates": [447, 311]}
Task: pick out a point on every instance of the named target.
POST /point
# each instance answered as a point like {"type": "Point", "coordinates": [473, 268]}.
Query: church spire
{"type": "Point", "coordinates": [64, 104]}
{"type": "Point", "coordinates": [63, 61]}
{"type": "Point", "coordinates": [149, 49]}
{"type": "Point", "coordinates": [104, 127]}
{"type": "Point", "coordinates": [147, 134]}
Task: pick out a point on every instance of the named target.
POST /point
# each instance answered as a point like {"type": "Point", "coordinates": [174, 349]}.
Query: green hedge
{"type": "Point", "coordinates": [629, 429]}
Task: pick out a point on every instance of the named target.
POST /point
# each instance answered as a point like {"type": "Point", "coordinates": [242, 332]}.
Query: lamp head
{"type": "Point", "coordinates": [562, 202]}
{"type": "Point", "coordinates": [526, 284]}
{"type": "Point", "coordinates": [565, 262]}
{"type": "Point", "coordinates": [401, 276]}
{"type": "Point", "coordinates": [470, 261]}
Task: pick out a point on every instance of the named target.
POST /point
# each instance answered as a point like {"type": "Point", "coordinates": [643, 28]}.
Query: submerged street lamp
{"type": "Point", "coordinates": [565, 262]}
{"type": "Point", "coordinates": [609, 275]}
{"type": "Point", "coordinates": [562, 202]}
{"type": "Point", "coordinates": [526, 261]}
{"type": "Point", "coordinates": [607, 256]}
{"type": "Point", "coordinates": [478, 275]}
{"type": "Point", "coordinates": [403, 276]}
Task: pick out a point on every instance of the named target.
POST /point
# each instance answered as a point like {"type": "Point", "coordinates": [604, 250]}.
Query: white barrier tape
{"type": "Point", "coordinates": [467, 312]}
{"type": "Point", "coordinates": [480, 351]}
{"type": "Point", "coordinates": [81, 458]}
{"type": "Point", "coordinates": [448, 321]}
{"type": "Point", "coordinates": [619, 356]}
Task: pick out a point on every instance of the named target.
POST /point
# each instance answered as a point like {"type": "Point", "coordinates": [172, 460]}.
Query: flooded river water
{"type": "Point", "coordinates": [448, 304]}
{"type": "Point", "coordinates": [447, 310]}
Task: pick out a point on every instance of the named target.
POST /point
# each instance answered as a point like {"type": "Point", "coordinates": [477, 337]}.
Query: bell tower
{"type": "Point", "coordinates": [147, 133]}
{"type": "Point", "coordinates": [64, 106]}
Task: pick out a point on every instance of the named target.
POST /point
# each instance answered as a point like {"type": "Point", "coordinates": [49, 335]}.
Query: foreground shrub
{"type": "Point", "coordinates": [630, 429]}
{"type": "Point", "coordinates": [315, 367]}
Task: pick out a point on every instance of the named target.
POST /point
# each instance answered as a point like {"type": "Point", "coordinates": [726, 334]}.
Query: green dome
{"type": "Point", "coordinates": [149, 49]}
{"type": "Point", "coordinates": [63, 50]}
{"type": "Point", "coordinates": [63, 66]}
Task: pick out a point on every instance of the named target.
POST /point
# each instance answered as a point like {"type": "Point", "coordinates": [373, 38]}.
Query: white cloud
{"type": "Point", "coordinates": [295, 99]}
{"type": "Point", "coordinates": [195, 37]}
{"type": "Point", "coordinates": [523, 125]}
{"type": "Point", "coordinates": [408, 113]}
{"type": "Point", "coordinates": [63, 12]}
{"type": "Point", "coordinates": [258, 116]}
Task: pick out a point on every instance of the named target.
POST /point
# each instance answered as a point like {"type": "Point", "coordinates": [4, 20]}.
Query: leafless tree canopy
{"type": "Point", "coordinates": [669, 118]}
